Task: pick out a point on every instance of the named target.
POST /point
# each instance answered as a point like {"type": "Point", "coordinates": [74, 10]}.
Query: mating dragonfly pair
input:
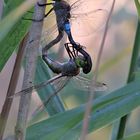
{"type": "Point", "coordinates": [65, 12]}
{"type": "Point", "coordinates": [71, 68]}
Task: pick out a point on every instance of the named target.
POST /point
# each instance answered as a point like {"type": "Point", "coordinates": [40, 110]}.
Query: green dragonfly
{"type": "Point", "coordinates": [67, 71]}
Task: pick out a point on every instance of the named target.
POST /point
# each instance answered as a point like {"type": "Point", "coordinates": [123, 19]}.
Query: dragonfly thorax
{"type": "Point", "coordinates": [62, 10]}
{"type": "Point", "coordinates": [70, 68]}
{"type": "Point", "coordinates": [62, 5]}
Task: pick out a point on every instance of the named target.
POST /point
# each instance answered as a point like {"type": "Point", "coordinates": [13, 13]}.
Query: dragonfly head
{"type": "Point", "coordinates": [85, 62]}
{"type": "Point", "coordinates": [80, 61]}
{"type": "Point", "coordinates": [88, 66]}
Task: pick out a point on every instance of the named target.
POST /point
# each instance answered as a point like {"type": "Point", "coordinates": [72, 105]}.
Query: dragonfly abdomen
{"type": "Point", "coordinates": [56, 67]}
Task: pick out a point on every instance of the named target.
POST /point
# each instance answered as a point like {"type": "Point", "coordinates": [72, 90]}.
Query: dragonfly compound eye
{"type": "Point", "coordinates": [80, 61]}
{"type": "Point", "coordinates": [87, 68]}
{"type": "Point", "coordinates": [84, 63]}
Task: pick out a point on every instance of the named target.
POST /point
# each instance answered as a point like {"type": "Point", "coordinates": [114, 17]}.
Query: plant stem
{"type": "Point", "coordinates": [11, 89]}
{"type": "Point", "coordinates": [90, 101]}
{"type": "Point", "coordinates": [31, 57]}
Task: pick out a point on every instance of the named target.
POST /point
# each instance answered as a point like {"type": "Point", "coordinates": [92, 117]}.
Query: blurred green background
{"type": "Point", "coordinates": [114, 68]}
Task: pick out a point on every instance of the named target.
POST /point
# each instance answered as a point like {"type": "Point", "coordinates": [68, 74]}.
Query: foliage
{"type": "Point", "coordinates": [67, 125]}
{"type": "Point", "coordinates": [12, 29]}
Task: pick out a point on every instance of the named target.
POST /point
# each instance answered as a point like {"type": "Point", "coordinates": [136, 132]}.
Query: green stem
{"type": "Point", "coordinates": [138, 7]}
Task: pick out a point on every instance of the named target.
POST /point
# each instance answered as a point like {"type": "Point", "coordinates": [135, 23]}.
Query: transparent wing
{"type": "Point", "coordinates": [85, 84]}
{"type": "Point", "coordinates": [84, 24]}
{"type": "Point", "coordinates": [39, 86]}
{"type": "Point", "coordinates": [60, 82]}
{"type": "Point", "coordinates": [59, 85]}
{"type": "Point", "coordinates": [87, 6]}
{"type": "Point", "coordinates": [49, 29]}
{"type": "Point", "coordinates": [88, 17]}
{"type": "Point", "coordinates": [48, 34]}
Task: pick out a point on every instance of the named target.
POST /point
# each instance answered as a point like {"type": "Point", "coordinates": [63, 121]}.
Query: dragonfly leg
{"type": "Point", "coordinates": [49, 12]}
{"type": "Point", "coordinates": [39, 20]}
{"type": "Point", "coordinates": [41, 5]}
{"type": "Point", "coordinates": [53, 42]}
{"type": "Point", "coordinates": [75, 51]}
{"type": "Point", "coordinates": [68, 50]}
{"type": "Point", "coordinates": [70, 53]}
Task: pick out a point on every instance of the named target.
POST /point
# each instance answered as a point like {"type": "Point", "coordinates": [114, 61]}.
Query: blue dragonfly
{"type": "Point", "coordinates": [78, 14]}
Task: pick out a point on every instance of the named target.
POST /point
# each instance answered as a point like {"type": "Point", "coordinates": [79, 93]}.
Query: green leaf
{"type": "Point", "coordinates": [138, 7]}
{"type": "Point", "coordinates": [12, 32]}
{"type": "Point", "coordinates": [12, 41]}
{"type": "Point", "coordinates": [105, 110]}
{"type": "Point", "coordinates": [11, 19]}
{"type": "Point", "coordinates": [10, 5]}
{"type": "Point", "coordinates": [132, 137]}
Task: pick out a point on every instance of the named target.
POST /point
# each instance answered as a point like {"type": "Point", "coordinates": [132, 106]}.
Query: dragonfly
{"type": "Point", "coordinates": [65, 12]}
{"type": "Point", "coordinates": [65, 72]}
{"type": "Point", "coordinates": [76, 13]}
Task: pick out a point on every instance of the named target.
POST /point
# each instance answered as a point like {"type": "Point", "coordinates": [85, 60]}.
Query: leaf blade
{"type": "Point", "coordinates": [68, 124]}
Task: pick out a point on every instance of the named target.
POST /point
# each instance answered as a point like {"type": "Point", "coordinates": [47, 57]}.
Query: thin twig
{"type": "Point", "coordinates": [89, 103]}
{"type": "Point", "coordinates": [31, 57]}
{"type": "Point", "coordinates": [11, 89]}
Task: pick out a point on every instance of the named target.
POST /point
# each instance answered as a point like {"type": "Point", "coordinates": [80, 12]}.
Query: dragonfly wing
{"type": "Point", "coordinates": [38, 86]}
{"type": "Point", "coordinates": [60, 82]}
{"type": "Point", "coordinates": [82, 14]}
{"type": "Point", "coordinates": [49, 28]}
{"type": "Point", "coordinates": [86, 85]}
{"type": "Point", "coordinates": [94, 17]}
{"type": "Point", "coordinates": [94, 21]}
{"type": "Point", "coordinates": [59, 85]}
{"type": "Point", "coordinates": [87, 6]}
{"type": "Point", "coordinates": [48, 34]}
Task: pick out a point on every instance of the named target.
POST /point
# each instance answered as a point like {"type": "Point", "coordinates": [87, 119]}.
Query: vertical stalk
{"type": "Point", "coordinates": [30, 58]}
{"type": "Point", "coordinates": [11, 89]}
{"type": "Point", "coordinates": [90, 100]}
